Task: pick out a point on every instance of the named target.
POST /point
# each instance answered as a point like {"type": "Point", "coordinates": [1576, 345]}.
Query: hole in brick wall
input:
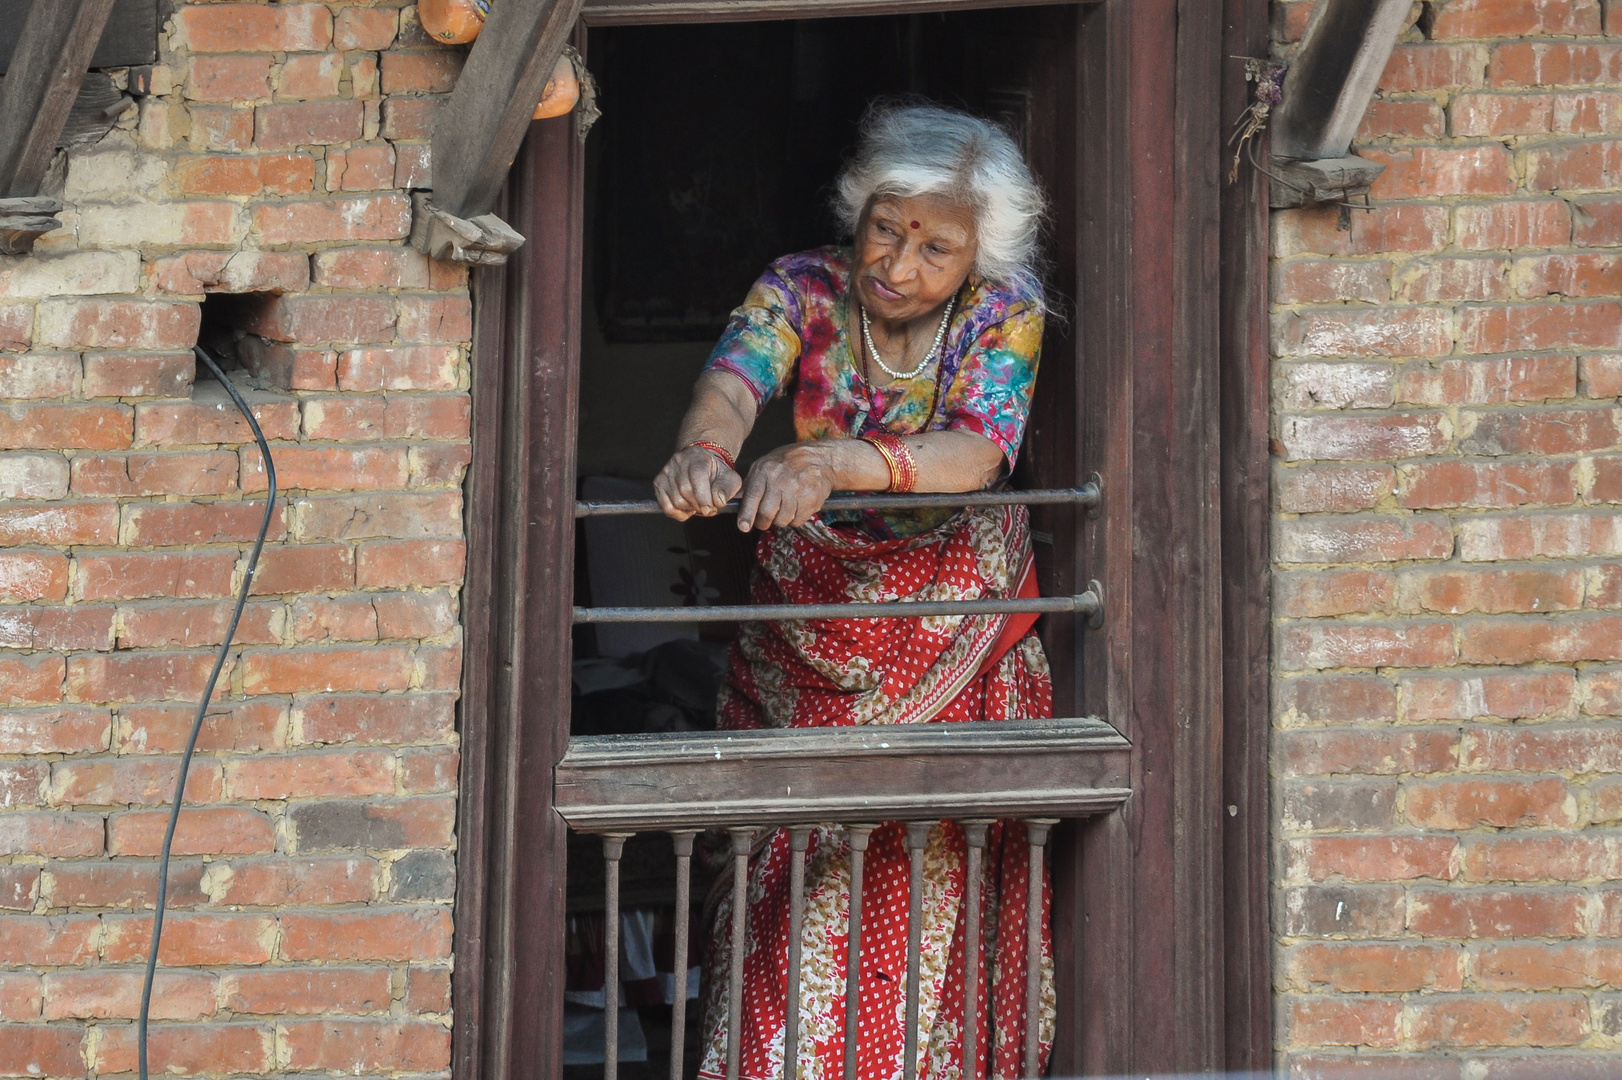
{"type": "Point", "coordinates": [222, 331]}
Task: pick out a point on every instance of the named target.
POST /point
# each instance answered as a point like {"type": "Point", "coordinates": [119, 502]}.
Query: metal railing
{"type": "Point", "coordinates": [1038, 771]}
{"type": "Point", "coordinates": [1088, 496]}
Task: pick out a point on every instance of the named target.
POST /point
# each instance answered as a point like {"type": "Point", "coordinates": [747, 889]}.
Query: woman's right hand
{"type": "Point", "coordinates": [695, 481]}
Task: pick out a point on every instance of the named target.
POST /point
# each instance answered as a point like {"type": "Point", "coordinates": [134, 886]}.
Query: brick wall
{"type": "Point", "coordinates": [311, 924]}
{"type": "Point", "coordinates": [1449, 562]}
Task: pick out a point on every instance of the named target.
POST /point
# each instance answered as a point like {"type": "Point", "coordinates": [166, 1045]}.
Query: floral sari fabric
{"type": "Point", "coordinates": [832, 672]}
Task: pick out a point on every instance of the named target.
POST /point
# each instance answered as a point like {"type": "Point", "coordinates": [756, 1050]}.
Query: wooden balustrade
{"type": "Point", "coordinates": [1039, 771]}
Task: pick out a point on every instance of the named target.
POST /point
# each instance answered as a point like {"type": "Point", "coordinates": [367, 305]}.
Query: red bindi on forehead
{"type": "Point", "coordinates": [915, 225]}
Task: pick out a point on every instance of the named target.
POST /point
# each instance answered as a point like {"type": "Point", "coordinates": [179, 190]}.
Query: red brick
{"type": "Point", "coordinates": [1456, 591]}
{"type": "Point", "coordinates": [189, 423]}
{"type": "Point", "coordinates": [382, 217]}
{"type": "Point", "coordinates": [116, 995]}
{"type": "Point", "coordinates": [1554, 64]}
{"type": "Point", "coordinates": [439, 466]}
{"type": "Point", "coordinates": [134, 475]}
{"type": "Point", "coordinates": [1426, 172]}
{"type": "Point", "coordinates": [386, 564]}
{"type": "Point", "coordinates": [1502, 114]}
{"type": "Point", "coordinates": [1522, 641]}
{"type": "Point", "coordinates": [397, 935]}
{"type": "Point", "coordinates": [344, 618]}
{"type": "Point", "coordinates": [1527, 966]}
{"type": "Point", "coordinates": [345, 418]}
{"type": "Point", "coordinates": [1335, 385]}
{"type": "Point", "coordinates": [409, 117]}
{"type": "Point", "coordinates": [311, 76]}
{"type": "Point", "coordinates": [1445, 484]}
{"type": "Point", "coordinates": [66, 427]}
{"type": "Point", "coordinates": [336, 1045]}
{"type": "Point", "coordinates": [191, 939]}
{"type": "Point", "coordinates": [429, 769]}
{"type": "Point", "coordinates": [142, 676]}
{"type": "Point", "coordinates": [238, 725]}
{"type": "Point", "coordinates": [1580, 166]}
{"type": "Point", "coordinates": [232, 272]}
{"type": "Point", "coordinates": [1368, 752]}
{"type": "Point", "coordinates": [228, 78]}
{"type": "Point", "coordinates": [33, 575]}
{"type": "Point", "coordinates": [355, 772]}
{"type": "Point", "coordinates": [439, 667]}
{"type": "Point", "coordinates": [363, 80]}
{"type": "Point", "coordinates": [1433, 67]}
{"type": "Point", "coordinates": [1487, 913]}
{"type": "Point", "coordinates": [372, 268]}
{"type": "Point", "coordinates": [1371, 858]}
{"type": "Point", "coordinates": [346, 824]}
{"type": "Point", "coordinates": [95, 323]}
{"type": "Point", "coordinates": [423, 367]}
{"type": "Point", "coordinates": [1515, 18]}
{"type": "Point", "coordinates": [54, 835]}
{"type": "Point", "coordinates": [1526, 327]}
{"type": "Point", "coordinates": [167, 625]}
{"type": "Point", "coordinates": [23, 783]}
{"type": "Point", "coordinates": [143, 781]}
{"type": "Point", "coordinates": [130, 576]}
{"type": "Point", "coordinates": [1378, 968]}
{"type": "Point", "coordinates": [20, 997]}
{"type": "Point", "coordinates": [30, 680]}
{"type": "Point", "coordinates": [1315, 646]}
{"type": "Point", "coordinates": [375, 669]}
{"type": "Point", "coordinates": [328, 468]}
{"type": "Point", "coordinates": [138, 375]}
{"type": "Point", "coordinates": [282, 882]}
{"type": "Point", "coordinates": [1533, 535]}
{"type": "Point", "coordinates": [436, 318]}
{"type": "Point", "coordinates": [1401, 119]}
{"type": "Point", "coordinates": [423, 417]}
{"type": "Point", "coordinates": [1469, 803]}
{"type": "Point", "coordinates": [1596, 221]}
{"type": "Point", "coordinates": [78, 626]}
{"type": "Point", "coordinates": [1564, 859]}
{"type": "Point", "coordinates": [1430, 280]}
{"type": "Point", "coordinates": [361, 517]}
{"type": "Point", "coordinates": [1361, 540]}
{"type": "Point", "coordinates": [1605, 586]}
{"type": "Point", "coordinates": [306, 991]}
{"type": "Point", "coordinates": [361, 168]}
{"type": "Point", "coordinates": [38, 375]}
{"type": "Point", "coordinates": [1602, 692]}
{"type": "Point", "coordinates": [19, 887]}
{"type": "Point", "coordinates": [250, 27]}
{"type": "Point", "coordinates": [372, 29]}
{"type": "Point", "coordinates": [415, 614]}
{"type": "Point", "coordinates": [411, 170]}
{"type": "Point", "coordinates": [106, 883]}
{"type": "Point", "coordinates": [1332, 488]}
{"type": "Point", "coordinates": [219, 830]}
{"type": "Point", "coordinates": [1498, 1021]}
{"type": "Point", "coordinates": [1528, 223]}
{"type": "Point", "coordinates": [1353, 438]}
{"type": "Point", "coordinates": [428, 990]}
{"type": "Point", "coordinates": [1489, 382]}
{"type": "Point", "coordinates": [283, 126]}
{"type": "Point", "coordinates": [221, 127]}
{"type": "Point", "coordinates": [310, 319]}
{"type": "Point", "coordinates": [177, 524]}
{"type": "Point", "coordinates": [370, 719]}
{"type": "Point", "coordinates": [185, 1049]}
{"type": "Point", "coordinates": [59, 525]}
{"type": "Point", "coordinates": [1545, 748]}
{"type": "Point", "coordinates": [273, 174]}
{"type": "Point", "coordinates": [56, 1050]}
{"type": "Point", "coordinates": [1581, 275]}
{"type": "Point", "coordinates": [16, 326]}
{"type": "Point", "coordinates": [68, 729]}
{"type": "Point", "coordinates": [1344, 331]}
{"type": "Point", "coordinates": [289, 368]}
{"type": "Point", "coordinates": [304, 569]}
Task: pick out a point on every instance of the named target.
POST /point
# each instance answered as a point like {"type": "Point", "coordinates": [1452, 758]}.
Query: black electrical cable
{"type": "Point", "coordinates": [202, 706]}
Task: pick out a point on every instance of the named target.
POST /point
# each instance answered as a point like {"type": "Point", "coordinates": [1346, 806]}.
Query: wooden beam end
{"type": "Point", "coordinates": [485, 240]}
{"type": "Point", "coordinates": [22, 221]}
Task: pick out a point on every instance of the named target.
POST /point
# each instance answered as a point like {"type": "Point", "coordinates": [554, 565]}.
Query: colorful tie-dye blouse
{"type": "Point", "coordinates": [792, 329]}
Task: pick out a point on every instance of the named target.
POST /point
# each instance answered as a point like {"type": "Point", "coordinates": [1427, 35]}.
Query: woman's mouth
{"type": "Point", "coordinates": [883, 291]}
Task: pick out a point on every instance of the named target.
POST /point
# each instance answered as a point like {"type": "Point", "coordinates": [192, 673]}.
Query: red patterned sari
{"type": "Point", "coordinates": [885, 671]}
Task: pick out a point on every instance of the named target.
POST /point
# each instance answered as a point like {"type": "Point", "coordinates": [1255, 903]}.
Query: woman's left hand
{"type": "Point", "coordinates": [787, 487]}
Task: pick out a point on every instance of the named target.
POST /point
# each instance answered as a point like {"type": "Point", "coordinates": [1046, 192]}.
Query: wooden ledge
{"type": "Point", "coordinates": [1056, 768]}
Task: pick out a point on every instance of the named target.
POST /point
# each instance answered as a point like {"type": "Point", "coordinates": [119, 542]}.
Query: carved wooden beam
{"type": "Point", "coordinates": [52, 55]}
{"type": "Point", "coordinates": [481, 126]}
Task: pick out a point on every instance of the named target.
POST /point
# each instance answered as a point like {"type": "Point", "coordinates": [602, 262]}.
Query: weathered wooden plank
{"type": "Point", "coordinates": [1333, 76]}
{"type": "Point", "coordinates": [130, 36]}
{"type": "Point", "coordinates": [1063, 767]}
{"type": "Point", "coordinates": [51, 57]}
{"type": "Point", "coordinates": [630, 12]}
{"type": "Point", "coordinates": [479, 129]}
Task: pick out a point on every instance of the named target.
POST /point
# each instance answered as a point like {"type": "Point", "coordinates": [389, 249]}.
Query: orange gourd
{"type": "Point", "coordinates": [453, 22]}
{"type": "Point", "coordinates": [562, 91]}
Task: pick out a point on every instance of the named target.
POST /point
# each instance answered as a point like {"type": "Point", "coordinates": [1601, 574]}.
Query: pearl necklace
{"type": "Point", "coordinates": [873, 350]}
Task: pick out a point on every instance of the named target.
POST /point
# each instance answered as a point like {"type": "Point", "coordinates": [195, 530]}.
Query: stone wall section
{"type": "Point", "coordinates": [311, 925]}
{"type": "Point", "coordinates": [1448, 546]}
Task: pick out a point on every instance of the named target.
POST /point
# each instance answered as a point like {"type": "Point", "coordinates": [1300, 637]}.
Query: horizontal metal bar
{"type": "Point", "coordinates": [1087, 495]}
{"type": "Point", "coordinates": [1088, 604]}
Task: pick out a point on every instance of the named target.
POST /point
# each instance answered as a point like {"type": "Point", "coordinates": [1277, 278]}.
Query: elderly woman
{"type": "Point", "coordinates": [911, 357]}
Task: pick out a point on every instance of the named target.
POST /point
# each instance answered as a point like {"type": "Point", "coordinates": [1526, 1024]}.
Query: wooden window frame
{"type": "Point", "coordinates": [1170, 958]}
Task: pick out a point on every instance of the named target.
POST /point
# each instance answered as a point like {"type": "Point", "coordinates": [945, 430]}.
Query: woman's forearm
{"type": "Point", "coordinates": [946, 461]}
{"type": "Point", "coordinates": [722, 412]}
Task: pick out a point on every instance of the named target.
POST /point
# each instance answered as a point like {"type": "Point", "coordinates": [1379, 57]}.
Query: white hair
{"type": "Point", "coordinates": [910, 150]}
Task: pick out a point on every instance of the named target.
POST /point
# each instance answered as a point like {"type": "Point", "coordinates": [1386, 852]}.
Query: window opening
{"type": "Point", "coordinates": [715, 155]}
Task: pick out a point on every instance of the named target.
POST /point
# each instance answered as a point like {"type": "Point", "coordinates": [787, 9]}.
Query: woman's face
{"type": "Point", "coordinates": [912, 255]}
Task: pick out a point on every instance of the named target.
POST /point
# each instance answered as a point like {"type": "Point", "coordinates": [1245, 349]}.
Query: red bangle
{"type": "Point", "coordinates": [903, 470]}
{"type": "Point", "coordinates": [718, 451]}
